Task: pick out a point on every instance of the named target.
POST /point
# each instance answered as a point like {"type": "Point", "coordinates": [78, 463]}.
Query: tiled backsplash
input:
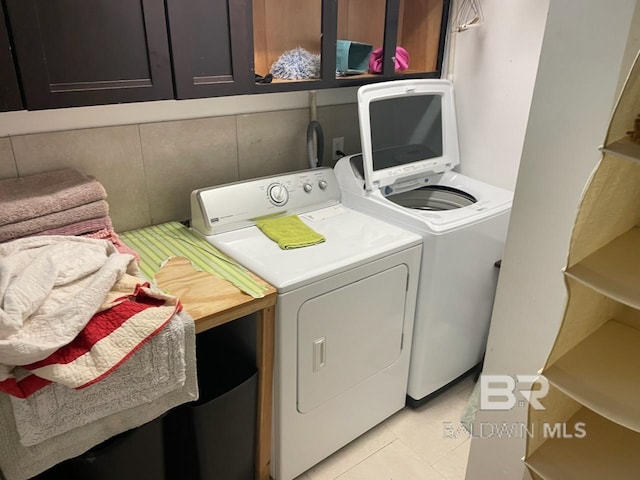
{"type": "Point", "coordinates": [150, 169]}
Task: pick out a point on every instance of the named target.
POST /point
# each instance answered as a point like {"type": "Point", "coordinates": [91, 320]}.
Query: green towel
{"type": "Point", "coordinates": [158, 243]}
{"type": "Point", "coordinates": [289, 232]}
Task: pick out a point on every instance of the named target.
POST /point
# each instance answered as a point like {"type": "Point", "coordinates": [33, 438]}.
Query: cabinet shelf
{"type": "Point", "coordinates": [360, 75]}
{"type": "Point", "coordinates": [285, 81]}
{"type": "Point", "coordinates": [603, 373]}
{"type": "Point", "coordinates": [625, 147]}
{"type": "Point", "coordinates": [607, 450]}
{"type": "Point", "coordinates": [613, 270]}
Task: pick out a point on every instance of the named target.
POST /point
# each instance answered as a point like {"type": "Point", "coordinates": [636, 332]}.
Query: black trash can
{"type": "Point", "coordinates": [131, 455]}
{"type": "Point", "coordinates": [214, 438]}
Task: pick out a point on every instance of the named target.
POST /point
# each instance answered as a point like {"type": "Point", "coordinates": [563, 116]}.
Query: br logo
{"type": "Point", "coordinates": [498, 392]}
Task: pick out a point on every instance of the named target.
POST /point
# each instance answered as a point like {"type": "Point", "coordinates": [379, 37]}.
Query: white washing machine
{"type": "Point", "coordinates": [405, 175]}
{"type": "Point", "coordinates": [344, 313]}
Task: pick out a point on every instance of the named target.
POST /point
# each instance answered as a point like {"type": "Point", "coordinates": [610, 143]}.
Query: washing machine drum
{"type": "Point", "coordinates": [433, 197]}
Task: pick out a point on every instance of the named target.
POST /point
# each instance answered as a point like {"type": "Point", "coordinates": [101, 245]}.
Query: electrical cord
{"type": "Point", "coordinates": [314, 126]}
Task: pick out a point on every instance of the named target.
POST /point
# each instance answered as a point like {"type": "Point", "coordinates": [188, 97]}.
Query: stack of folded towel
{"type": "Point", "coordinates": [62, 202]}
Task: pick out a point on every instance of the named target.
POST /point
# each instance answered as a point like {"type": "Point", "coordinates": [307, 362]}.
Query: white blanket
{"type": "Point", "coordinates": [50, 287]}
{"type": "Point", "coordinates": [157, 368]}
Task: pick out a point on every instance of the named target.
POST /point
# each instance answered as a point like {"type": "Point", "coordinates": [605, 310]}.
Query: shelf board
{"type": "Point", "coordinates": [625, 147]}
{"type": "Point", "coordinates": [603, 373]}
{"type": "Point", "coordinates": [356, 76]}
{"type": "Point", "coordinates": [285, 80]}
{"type": "Point", "coordinates": [613, 270]}
{"type": "Point", "coordinates": [607, 450]}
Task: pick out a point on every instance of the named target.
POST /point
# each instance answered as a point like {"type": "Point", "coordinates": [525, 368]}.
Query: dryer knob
{"type": "Point", "coordinates": [323, 184]}
{"type": "Point", "coordinates": [278, 194]}
{"type": "Point", "coordinates": [307, 187]}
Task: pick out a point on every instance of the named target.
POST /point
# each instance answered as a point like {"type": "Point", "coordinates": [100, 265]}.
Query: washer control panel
{"type": "Point", "coordinates": [236, 205]}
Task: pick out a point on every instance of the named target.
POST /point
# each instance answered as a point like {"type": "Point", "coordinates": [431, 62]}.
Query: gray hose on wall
{"type": "Point", "coordinates": [314, 126]}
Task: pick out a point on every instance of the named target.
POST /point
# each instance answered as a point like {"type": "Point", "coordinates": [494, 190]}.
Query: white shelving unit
{"type": "Point", "coordinates": [625, 147]}
{"type": "Point", "coordinates": [613, 270]}
{"type": "Point", "coordinates": [596, 373]}
{"type": "Point", "coordinates": [590, 428]}
{"type": "Point", "coordinates": [607, 450]}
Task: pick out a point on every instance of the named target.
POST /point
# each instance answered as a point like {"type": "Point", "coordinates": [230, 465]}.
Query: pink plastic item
{"type": "Point", "coordinates": [401, 61]}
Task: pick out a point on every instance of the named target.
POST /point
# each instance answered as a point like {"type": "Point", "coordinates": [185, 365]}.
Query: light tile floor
{"type": "Point", "coordinates": [416, 444]}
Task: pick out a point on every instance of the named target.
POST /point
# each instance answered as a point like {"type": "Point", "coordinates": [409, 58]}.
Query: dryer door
{"type": "Point", "coordinates": [348, 335]}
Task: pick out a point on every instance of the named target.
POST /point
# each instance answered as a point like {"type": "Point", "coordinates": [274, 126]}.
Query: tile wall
{"type": "Point", "coordinates": [150, 169]}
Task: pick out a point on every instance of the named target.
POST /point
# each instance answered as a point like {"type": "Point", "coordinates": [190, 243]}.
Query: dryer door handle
{"type": "Point", "coordinates": [319, 353]}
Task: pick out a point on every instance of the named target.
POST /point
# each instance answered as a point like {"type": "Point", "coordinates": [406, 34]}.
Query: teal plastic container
{"type": "Point", "coordinates": [352, 58]}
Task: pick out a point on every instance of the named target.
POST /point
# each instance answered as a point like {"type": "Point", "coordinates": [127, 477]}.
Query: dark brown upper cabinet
{"type": "Point", "coordinates": [90, 52]}
{"type": "Point", "coordinates": [9, 90]}
{"type": "Point", "coordinates": [210, 47]}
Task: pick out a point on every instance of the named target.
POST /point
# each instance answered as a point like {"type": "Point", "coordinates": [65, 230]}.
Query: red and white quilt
{"type": "Point", "coordinates": [71, 312]}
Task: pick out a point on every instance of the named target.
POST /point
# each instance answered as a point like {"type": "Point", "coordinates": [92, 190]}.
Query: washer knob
{"type": "Point", "coordinates": [307, 187]}
{"type": "Point", "coordinates": [323, 184]}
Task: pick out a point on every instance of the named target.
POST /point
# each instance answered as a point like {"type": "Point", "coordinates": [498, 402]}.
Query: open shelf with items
{"type": "Point", "coordinates": [282, 26]}
{"type": "Point", "coordinates": [326, 29]}
{"type": "Point", "coordinates": [594, 365]}
{"type": "Point", "coordinates": [414, 25]}
{"type": "Point", "coordinates": [361, 23]}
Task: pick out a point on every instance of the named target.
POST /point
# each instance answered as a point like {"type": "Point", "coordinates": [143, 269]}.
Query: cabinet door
{"type": "Point", "coordinates": [210, 45]}
{"type": "Point", "coordinates": [9, 91]}
{"type": "Point", "coordinates": [90, 52]}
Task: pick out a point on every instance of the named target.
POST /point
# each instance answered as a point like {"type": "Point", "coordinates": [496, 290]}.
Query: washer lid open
{"type": "Point", "coordinates": [408, 129]}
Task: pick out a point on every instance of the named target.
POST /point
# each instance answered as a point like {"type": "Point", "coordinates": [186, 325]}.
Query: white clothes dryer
{"type": "Point", "coordinates": [344, 312]}
{"type": "Point", "coordinates": [405, 175]}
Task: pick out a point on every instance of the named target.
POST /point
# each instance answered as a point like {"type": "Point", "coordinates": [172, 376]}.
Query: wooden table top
{"type": "Point", "coordinates": [210, 300]}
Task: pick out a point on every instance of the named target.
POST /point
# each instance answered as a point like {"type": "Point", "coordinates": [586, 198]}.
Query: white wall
{"type": "Point", "coordinates": [574, 94]}
{"type": "Point", "coordinates": [494, 70]}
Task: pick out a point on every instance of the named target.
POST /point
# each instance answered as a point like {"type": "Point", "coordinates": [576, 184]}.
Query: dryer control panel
{"type": "Point", "coordinates": [237, 205]}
